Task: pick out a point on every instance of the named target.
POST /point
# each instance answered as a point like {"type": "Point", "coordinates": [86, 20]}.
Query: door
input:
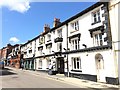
{"type": "Point", "coordinates": [60, 65]}
{"type": "Point", "coordinates": [100, 68]}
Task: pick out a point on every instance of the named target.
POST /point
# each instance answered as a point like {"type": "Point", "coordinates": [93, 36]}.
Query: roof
{"type": "Point", "coordinates": [70, 19]}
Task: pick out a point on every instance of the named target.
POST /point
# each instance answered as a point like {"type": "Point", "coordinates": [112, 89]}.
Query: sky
{"type": "Point", "coordinates": [22, 21]}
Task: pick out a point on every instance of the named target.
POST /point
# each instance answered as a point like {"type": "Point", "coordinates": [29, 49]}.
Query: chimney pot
{"type": "Point", "coordinates": [56, 22]}
{"type": "Point", "coordinates": [46, 28]}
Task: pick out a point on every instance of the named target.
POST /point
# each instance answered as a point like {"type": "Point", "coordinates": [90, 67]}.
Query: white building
{"type": "Point", "coordinates": [80, 46]}
{"type": "Point", "coordinates": [114, 11]}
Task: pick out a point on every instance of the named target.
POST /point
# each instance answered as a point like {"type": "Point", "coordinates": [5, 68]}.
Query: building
{"type": "Point", "coordinates": [4, 52]}
{"type": "Point", "coordinates": [15, 56]}
{"type": "Point", "coordinates": [80, 47]}
{"type": "Point", "coordinates": [114, 11]}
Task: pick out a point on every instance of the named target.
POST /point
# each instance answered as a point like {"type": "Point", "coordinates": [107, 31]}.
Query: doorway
{"type": "Point", "coordinates": [60, 65]}
{"type": "Point", "coordinates": [100, 67]}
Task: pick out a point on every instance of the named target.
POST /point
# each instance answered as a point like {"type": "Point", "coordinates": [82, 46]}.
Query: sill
{"type": "Point", "coordinates": [76, 70]}
{"type": "Point", "coordinates": [96, 22]}
{"type": "Point", "coordinates": [48, 40]}
{"type": "Point", "coordinates": [74, 31]}
{"type": "Point", "coordinates": [39, 68]}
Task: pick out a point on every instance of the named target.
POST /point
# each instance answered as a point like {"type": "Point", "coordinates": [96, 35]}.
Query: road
{"type": "Point", "coordinates": [21, 79]}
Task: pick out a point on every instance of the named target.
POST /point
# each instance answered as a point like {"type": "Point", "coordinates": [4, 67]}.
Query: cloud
{"type": "Point", "coordinates": [16, 5]}
{"type": "Point", "coordinates": [14, 39]}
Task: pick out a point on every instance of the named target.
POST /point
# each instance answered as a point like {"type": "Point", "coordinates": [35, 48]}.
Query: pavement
{"type": "Point", "coordinates": [74, 81]}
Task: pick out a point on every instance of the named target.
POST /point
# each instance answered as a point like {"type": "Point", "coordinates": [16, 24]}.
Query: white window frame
{"type": "Point", "coordinates": [98, 16]}
{"type": "Point", "coordinates": [76, 60]}
{"type": "Point", "coordinates": [48, 37]}
{"type": "Point", "coordinates": [59, 33]}
{"type": "Point", "coordinates": [49, 49]}
{"type": "Point", "coordinates": [74, 44]}
{"type": "Point", "coordinates": [58, 46]}
{"type": "Point", "coordinates": [75, 26]}
{"type": "Point", "coordinates": [40, 64]}
{"type": "Point", "coordinates": [40, 51]}
{"type": "Point", "coordinates": [97, 41]}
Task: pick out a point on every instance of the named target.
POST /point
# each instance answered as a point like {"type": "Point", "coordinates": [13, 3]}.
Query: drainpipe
{"type": "Point", "coordinates": [67, 52]}
{"type": "Point", "coordinates": [34, 55]}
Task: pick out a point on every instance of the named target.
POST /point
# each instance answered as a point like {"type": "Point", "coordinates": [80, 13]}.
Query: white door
{"type": "Point", "coordinates": [100, 70]}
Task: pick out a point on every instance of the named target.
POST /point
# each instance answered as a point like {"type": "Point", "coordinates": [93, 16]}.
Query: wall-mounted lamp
{"type": "Point", "coordinates": [84, 45]}
{"type": "Point", "coordinates": [53, 51]}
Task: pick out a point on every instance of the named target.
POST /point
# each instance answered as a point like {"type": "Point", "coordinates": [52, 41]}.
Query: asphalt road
{"type": "Point", "coordinates": [21, 79]}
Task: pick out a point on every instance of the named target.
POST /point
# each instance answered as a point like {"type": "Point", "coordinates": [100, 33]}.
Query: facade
{"type": "Point", "coordinates": [114, 11]}
{"type": "Point", "coordinates": [80, 47]}
{"type": "Point", "coordinates": [4, 52]}
{"type": "Point", "coordinates": [15, 56]}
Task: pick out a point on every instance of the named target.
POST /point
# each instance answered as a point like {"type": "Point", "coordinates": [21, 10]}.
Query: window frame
{"type": "Point", "coordinates": [75, 44]}
{"type": "Point", "coordinates": [99, 40]}
{"type": "Point", "coordinates": [76, 65]}
{"type": "Point", "coordinates": [74, 26]}
{"type": "Point", "coordinates": [96, 16]}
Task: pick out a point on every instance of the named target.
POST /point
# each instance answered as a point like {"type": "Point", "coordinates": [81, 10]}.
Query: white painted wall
{"type": "Point", "coordinates": [89, 66]}
{"type": "Point", "coordinates": [114, 11]}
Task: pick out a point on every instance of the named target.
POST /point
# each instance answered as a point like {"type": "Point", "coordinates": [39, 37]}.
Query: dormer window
{"type": "Point", "coordinates": [96, 17]}
{"type": "Point", "coordinates": [75, 26]}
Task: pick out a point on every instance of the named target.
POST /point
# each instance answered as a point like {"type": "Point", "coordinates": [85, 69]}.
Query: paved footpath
{"type": "Point", "coordinates": [74, 81]}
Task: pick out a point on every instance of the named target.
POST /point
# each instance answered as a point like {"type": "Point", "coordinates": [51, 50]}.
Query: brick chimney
{"type": "Point", "coordinates": [46, 28]}
{"type": "Point", "coordinates": [56, 22]}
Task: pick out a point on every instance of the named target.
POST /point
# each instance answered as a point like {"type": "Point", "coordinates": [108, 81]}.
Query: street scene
{"type": "Point", "coordinates": [18, 78]}
{"type": "Point", "coordinates": [60, 45]}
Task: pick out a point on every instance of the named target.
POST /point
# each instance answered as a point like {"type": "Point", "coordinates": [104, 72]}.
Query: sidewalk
{"type": "Point", "coordinates": [74, 81]}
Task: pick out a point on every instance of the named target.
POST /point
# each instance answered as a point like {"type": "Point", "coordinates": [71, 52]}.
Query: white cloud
{"type": "Point", "coordinates": [16, 5]}
{"type": "Point", "coordinates": [14, 39]}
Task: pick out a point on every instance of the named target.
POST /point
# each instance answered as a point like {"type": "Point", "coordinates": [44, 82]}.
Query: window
{"type": "Point", "coordinates": [40, 64]}
{"type": "Point", "coordinates": [48, 37]}
{"type": "Point", "coordinates": [30, 51]}
{"type": "Point", "coordinates": [97, 39]}
{"type": "Point", "coordinates": [76, 63]}
{"type": "Point", "coordinates": [49, 49]}
{"type": "Point", "coordinates": [40, 50]}
{"type": "Point", "coordinates": [59, 46]}
{"type": "Point", "coordinates": [74, 44]}
{"type": "Point", "coordinates": [41, 40]}
{"type": "Point", "coordinates": [96, 17]}
{"type": "Point", "coordinates": [75, 25]}
{"type": "Point", "coordinates": [59, 32]}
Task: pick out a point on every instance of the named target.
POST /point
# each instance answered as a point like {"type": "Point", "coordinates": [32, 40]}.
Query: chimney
{"type": "Point", "coordinates": [46, 28]}
{"type": "Point", "coordinates": [56, 22]}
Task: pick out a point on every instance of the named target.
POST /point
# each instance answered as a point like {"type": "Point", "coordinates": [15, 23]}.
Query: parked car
{"type": "Point", "coordinates": [1, 65]}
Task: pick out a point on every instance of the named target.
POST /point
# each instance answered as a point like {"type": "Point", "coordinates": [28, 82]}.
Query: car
{"type": "Point", "coordinates": [1, 65]}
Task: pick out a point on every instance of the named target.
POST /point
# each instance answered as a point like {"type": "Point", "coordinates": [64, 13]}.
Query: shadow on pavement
{"type": "Point", "coordinates": [6, 71]}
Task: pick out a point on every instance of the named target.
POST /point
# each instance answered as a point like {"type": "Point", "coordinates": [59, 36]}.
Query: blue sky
{"type": "Point", "coordinates": [25, 25]}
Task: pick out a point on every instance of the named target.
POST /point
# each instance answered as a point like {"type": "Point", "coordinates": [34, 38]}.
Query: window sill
{"type": "Point", "coordinates": [48, 40]}
{"type": "Point", "coordinates": [39, 68]}
{"type": "Point", "coordinates": [96, 22]}
{"type": "Point", "coordinates": [74, 31]}
{"type": "Point", "coordinates": [76, 70]}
